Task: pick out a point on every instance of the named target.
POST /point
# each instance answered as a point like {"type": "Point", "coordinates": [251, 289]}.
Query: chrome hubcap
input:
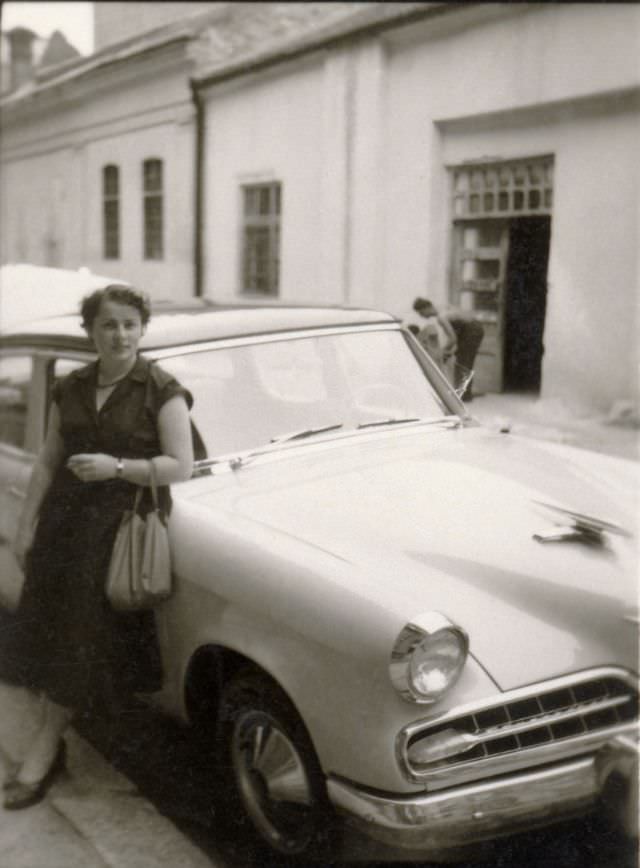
{"type": "Point", "coordinates": [273, 782]}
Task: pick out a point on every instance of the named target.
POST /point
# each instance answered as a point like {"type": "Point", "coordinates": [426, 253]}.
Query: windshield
{"type": "Point", "coordinates": [250, 395]}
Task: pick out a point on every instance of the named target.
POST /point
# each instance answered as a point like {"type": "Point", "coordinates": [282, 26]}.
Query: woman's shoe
{"type": "Point", "coordinates": [12, 773]}
{"type": "Point", "coordinates": [21, 795]}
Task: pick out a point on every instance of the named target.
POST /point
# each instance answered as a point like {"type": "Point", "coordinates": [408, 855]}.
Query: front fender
{"type": "Point", "coordinates": [307, 618]}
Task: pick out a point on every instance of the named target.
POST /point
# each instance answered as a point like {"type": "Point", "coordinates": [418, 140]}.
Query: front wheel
{"type": "Point", "coordinates": [275, 777]}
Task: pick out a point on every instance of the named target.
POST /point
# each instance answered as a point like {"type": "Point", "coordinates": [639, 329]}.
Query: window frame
{"type": "Point", "coordinates": [499, 189]}
{"type": "Point", "coordinates": [260, 223]}
{"type": "Point", "coordinates": [153, 199]}
{"type": "Point", "coordinates": [110, 212]}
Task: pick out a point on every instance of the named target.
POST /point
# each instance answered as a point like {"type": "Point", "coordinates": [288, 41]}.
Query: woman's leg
{"type": "Point", "coordinates": [43, 748]}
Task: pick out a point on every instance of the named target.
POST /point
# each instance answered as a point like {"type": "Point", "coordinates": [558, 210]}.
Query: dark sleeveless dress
{"type": "Point", "coordinates": [66, 640]}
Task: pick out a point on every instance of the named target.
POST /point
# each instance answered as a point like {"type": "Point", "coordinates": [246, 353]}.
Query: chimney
{"type": "Point", "coordinates": [20, 56]}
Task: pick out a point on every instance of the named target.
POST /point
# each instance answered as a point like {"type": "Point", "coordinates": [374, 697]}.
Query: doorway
{"type": "Point", "coordinates": [525, 303]}
{"type": "Point", "coordinates": [500, 252]}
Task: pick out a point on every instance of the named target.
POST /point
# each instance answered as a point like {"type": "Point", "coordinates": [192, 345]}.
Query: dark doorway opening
{"type": "Point", "coordinates": [526, 302]}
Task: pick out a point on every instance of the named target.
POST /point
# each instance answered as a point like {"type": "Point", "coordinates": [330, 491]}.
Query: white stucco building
{"type": "Point", "coordinates": [485, 155]}
{"type": "Point", "coordinates": [97, 154]}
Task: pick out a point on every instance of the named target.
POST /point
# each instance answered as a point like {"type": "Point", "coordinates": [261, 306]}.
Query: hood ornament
{"type": "Point", "coordinates": [577, 527]}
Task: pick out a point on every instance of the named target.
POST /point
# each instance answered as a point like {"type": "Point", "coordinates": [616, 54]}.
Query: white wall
{"type": "Point", "coordinates": [171, 276]}
{"type": "Point", "coordinates": [51, 173]}
{"type": "Point", "coordinates": [360, 136]}
{"type": "Point", "coordinates": [39, 201]}
{"type": "Point", "coordinates": [518, 87]}
{"type": "Point", "coordinates": [271, 130]}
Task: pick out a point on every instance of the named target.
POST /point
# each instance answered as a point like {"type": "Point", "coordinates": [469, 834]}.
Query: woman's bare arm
{"type": "Point", "coordinates": [174, 464]}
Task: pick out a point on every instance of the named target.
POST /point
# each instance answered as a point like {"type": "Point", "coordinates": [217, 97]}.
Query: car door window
{"type": "Point", "coordinates": [15, 388]}
{"type": "Point", "coordinates": [62, 367]}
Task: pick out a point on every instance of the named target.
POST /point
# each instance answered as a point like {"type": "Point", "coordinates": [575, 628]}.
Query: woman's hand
{"type": "Point", "coordinates": [22, 543]}
{"type": "Point", "coordinates": [93, 467]}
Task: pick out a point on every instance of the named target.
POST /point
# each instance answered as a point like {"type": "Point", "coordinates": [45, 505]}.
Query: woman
{"type": "Point", "coordinates": [107, 420]}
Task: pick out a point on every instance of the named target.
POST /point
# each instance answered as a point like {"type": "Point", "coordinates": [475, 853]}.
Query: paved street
{"type": "Point", "coordinates": [137, 794]}
{"type": "Point", "coordinates": [161, 759]}
{"type": "Point", "coordinates": [93, 817]}
{"type": "Point", "coordinates": [151, 802]}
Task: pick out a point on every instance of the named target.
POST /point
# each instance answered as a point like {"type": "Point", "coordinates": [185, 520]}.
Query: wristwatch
{"type": "Point", "coordinates": [119, 468]}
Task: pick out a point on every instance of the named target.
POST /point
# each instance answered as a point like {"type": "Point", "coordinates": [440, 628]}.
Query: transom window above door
{"type": "Point", "coordinates": [503, 189]}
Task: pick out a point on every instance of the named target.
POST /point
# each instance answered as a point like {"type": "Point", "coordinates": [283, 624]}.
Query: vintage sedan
{"type": "Point", "coordinates": [387, 619]}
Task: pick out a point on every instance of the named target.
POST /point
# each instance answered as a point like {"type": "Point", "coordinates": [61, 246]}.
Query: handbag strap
{"type": "Point", "coordinates": [153, 485]}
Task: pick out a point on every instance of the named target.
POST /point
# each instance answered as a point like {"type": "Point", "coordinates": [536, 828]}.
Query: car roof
{"type": "Point", "coordinates": [197, 322]}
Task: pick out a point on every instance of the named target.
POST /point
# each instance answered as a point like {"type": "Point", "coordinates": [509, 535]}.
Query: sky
{"type": "Point", "coordinates": [74, 20]}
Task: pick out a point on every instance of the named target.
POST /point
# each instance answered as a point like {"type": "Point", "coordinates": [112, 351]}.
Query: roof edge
{"type": "Point", "coordinates": [75, 68]}
{"type": "Point", "coordinates": [329, 34]}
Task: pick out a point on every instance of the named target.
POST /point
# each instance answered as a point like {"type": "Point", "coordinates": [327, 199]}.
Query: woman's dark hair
{"type": "Point", "coordinates": [114, 292]}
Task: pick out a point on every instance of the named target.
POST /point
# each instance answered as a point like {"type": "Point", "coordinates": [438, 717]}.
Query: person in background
{"type": "Point", "coordinates": [462, 338]}
{"type": "Point", "coordinates": [429, 337]}
{"type": "Point", "coordinates": [107, 420]}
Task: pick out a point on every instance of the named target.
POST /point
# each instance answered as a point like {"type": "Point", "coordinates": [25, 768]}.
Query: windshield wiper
{"type": "Point", "coordinates": [239, 459]}
{"type": "Point", "coordinates": [390, 421]}
{"type": "Point", "coordinates": [393, 421]}
{"type": "Point", "coordinates": [305, 432]}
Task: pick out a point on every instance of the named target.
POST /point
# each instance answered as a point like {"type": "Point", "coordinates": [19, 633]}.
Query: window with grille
{"type": "Point", "coordinates": [519, 188]}
{"type": "Point", "coordinates": [111, 212]}
{"type": "Point", "coordinates": [153, 209]}
{"type": "Point", "coordinates": [261, 238]}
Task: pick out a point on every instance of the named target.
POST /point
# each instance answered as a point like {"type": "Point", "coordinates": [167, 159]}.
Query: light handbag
{"type": "Point", "coordinates": [139, 574]}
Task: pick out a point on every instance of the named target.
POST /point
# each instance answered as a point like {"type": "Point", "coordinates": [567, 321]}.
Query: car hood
{"type": "Point", "coordinates": [444, 520]}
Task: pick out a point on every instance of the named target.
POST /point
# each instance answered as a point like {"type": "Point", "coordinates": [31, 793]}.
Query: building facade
{"type": "Point", "coordinates": [97, 158]}
{"type": "Point", "coordinates": [97, 155]}
{"type": "Point", "coordinates": [482, 155]}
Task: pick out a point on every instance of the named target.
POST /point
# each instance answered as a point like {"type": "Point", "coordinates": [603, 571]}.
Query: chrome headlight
{"type": "Point", "coordinates": [428, 657]}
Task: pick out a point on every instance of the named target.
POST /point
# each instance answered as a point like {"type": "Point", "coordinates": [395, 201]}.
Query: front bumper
{"type": "Point", "coordinates": [431, 825]}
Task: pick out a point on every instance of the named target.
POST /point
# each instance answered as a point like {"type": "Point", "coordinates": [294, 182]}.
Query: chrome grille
{"type": "Point", "coordinates": [552, 719]}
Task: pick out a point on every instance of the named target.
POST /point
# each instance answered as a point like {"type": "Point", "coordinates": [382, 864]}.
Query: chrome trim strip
{"type": "Point", "coordinates": [435, 823]}
{"type": "Point", "coordinates": [504, 730]}
{"type": "Point", "coordinates": [423, 626]}
{"type": "Point", "coordinates": [52, 353]}
{"type": "Point", "coordinates": [523, 758]}
{"type": "Point", "coordinates": [535, 755]}
{"type": "Point", "coordinates": [260, 338]}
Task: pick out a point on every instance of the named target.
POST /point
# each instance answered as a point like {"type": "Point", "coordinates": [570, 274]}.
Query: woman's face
{"type": "Point", "coordinates": [116, 331]}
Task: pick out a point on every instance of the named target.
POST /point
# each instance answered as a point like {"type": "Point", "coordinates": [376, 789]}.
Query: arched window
{"type": "Point", "coordinates": [153, 208]}
{"type": "Point", "coordinates": [111, 212]}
